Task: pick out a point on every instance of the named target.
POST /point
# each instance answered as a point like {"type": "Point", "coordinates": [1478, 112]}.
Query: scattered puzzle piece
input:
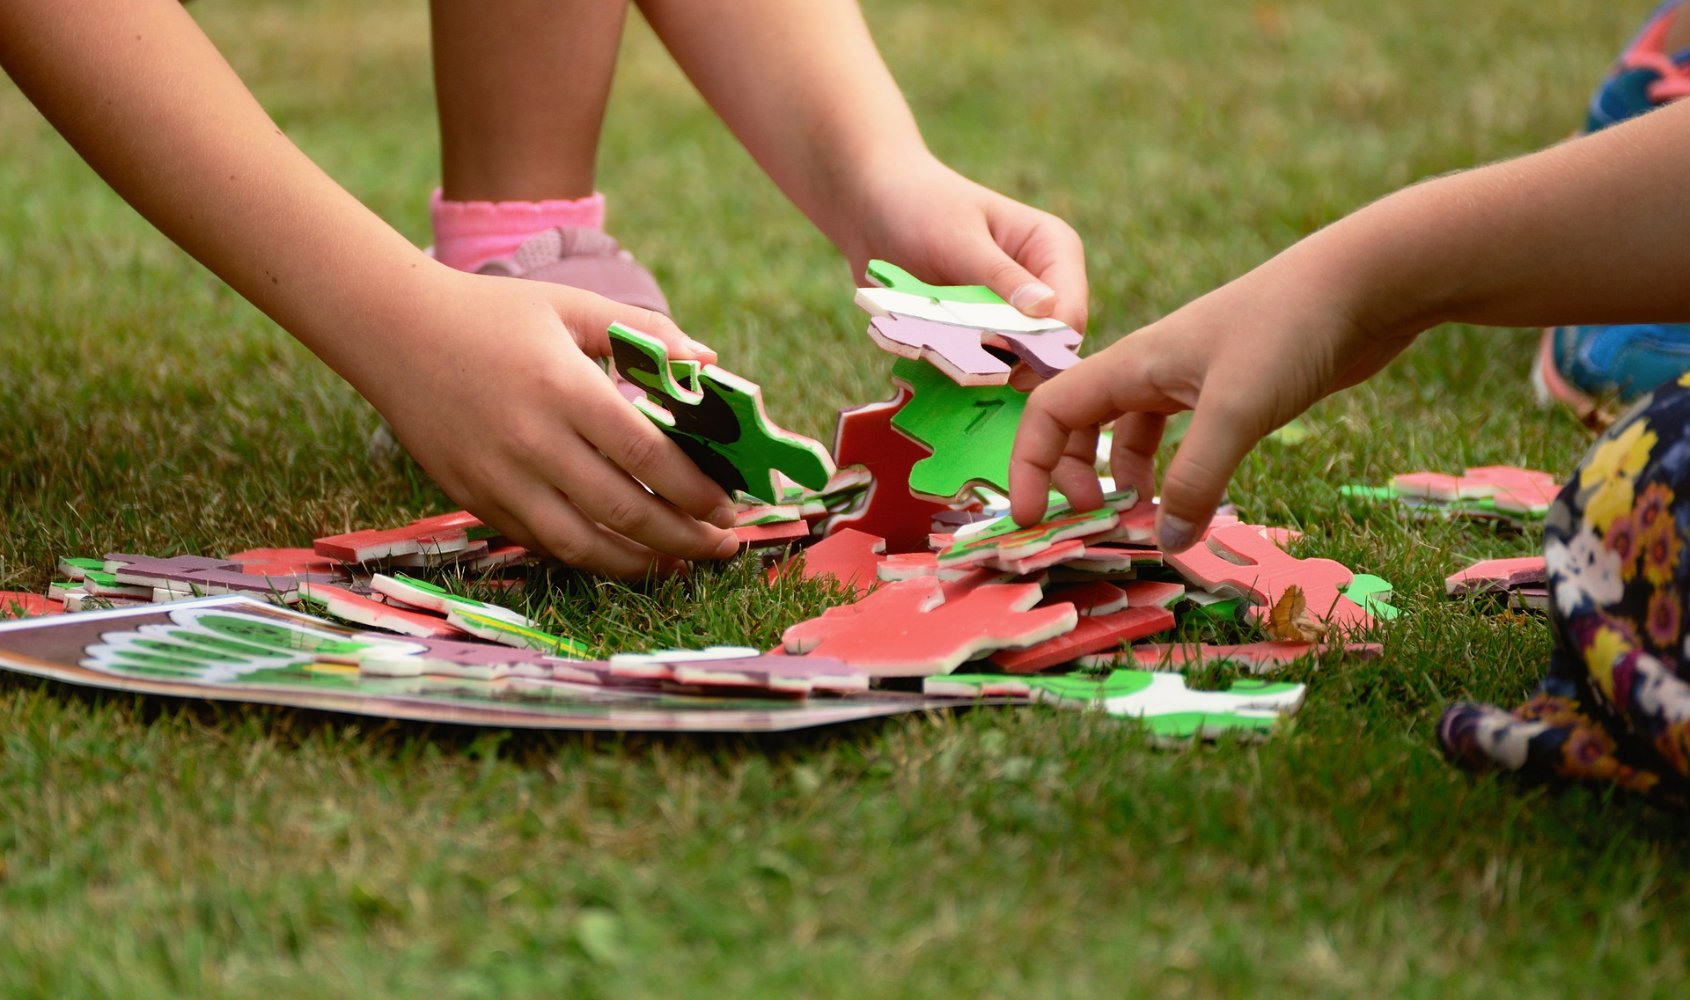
{"type": "Point", "coordinates": [969, 430]}
{"type": "Point", "coordinates": [1238, 559]}
{"type": "Point", "coordinates": [1373, 594]}
{"type": "Point", "coordinates": [1004, 540]}
{"type": "Point", "coordinates": [19, 604]}
{"type": "Point", "coordinates": [911, 628]}
{"type": "Point", "coordinates": [1511, 489]}
{"type": "Point", "coordinates": [510, 633]}
{"type": "Point", "coordinates": [352, 607]}
{"type": "Point", "coordinates": [1173, 713]}
{"type": "Point", "coordinates": [1493, 575]}
{"type": "Point", "coordinates": [742, 668]}
{"type": "Point", "coordinates": [718, 420]}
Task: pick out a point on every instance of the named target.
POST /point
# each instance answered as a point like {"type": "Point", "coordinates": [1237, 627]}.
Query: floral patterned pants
{"type": "Point", "coordinates": [1615, 706]}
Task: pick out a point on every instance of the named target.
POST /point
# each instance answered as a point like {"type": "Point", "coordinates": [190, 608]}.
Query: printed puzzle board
{"type": "Point", "coordinates": [272, 656]}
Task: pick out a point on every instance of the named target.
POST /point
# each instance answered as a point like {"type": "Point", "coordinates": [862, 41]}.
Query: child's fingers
{"type": "Point", "coordinates": [589, 316]}
{"type": "Point", "coordinates": [1132, 454]}
{"type": "Point", "coordinates": [1217, 440]}
{"type": "Point", "coordinates": [551, 523]}
{"type": "Point", "coordinates": [1056, 256]}
{"type": "Point", "coordinates": [636, 447]}
{"type": "Point", "coordinates": [1073, 400]}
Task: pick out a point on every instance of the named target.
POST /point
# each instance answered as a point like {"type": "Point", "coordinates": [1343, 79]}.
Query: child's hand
{"type": "Point", "coordinates": [496, 394]}
{"type": "Point", "coordinates": [1246, 358]}
{"type": "Point", "coordinates": [947, 230]}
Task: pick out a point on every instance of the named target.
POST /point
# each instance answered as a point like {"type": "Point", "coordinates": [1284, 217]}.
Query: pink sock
{"type": "Point", "coordinates": [468, 234]}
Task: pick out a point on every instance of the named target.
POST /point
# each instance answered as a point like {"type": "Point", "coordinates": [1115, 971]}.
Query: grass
{"type": "Point", "coordinates": [150, 848]}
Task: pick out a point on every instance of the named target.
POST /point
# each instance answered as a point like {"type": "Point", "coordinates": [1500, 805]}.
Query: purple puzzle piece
{"type": "Point", "coordinates": [954, 350]}
{"type": "Point", "coordinates": [774, 673]}
{"type": "Point", "coordinates": [1046, 352]}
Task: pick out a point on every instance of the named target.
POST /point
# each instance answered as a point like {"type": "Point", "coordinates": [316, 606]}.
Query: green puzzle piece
{"type": "Point", "coordinates": [899, 280]}
{"type": "Point", "coordinates": [1371, 592]}
{"type": "Point", "coordinates": [970, 430]}
{"type": "Point", "coordinates": [717, 419]}
{"type": "Point", "coordinates": [1162, 702]}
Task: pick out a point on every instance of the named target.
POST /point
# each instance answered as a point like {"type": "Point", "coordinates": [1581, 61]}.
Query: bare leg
{"type": "Point", "coordinates": [521, 87]}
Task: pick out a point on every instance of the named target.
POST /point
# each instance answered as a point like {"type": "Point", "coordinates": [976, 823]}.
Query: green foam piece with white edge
{"type": "Point", "coordinates": [899, 280]}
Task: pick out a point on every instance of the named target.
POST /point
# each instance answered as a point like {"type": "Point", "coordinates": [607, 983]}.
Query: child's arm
{"type": "Point", "coordinates": [515, 426]}
{"type": "Point", "coordinates": [1594, 230]}
{"type": "Point", "coordinates": [802, 85]}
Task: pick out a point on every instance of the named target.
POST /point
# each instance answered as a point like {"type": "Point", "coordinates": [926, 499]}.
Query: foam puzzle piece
{"type": "Point", "coordinates": [912, 628]}
{"type": "Point", "coordinates": [377, 545]}
{"type": "Point", "coordinates": [955, 350]}
{"type": "Point", "coordinates": [889, 275]}
{"type": "Point", "coordinates": [1238, 559]}
{"type": "Point", "coordinates": [98, 583]}
{"type": "Point", "coordinates": [21, 604]}
{"type": "Point", "coordinates": [742, 668]}
{"type": "Point", "coordinates": [1373, 594]}
{"type": "Point", "coordinates": [1097, 597]}
{"type": "Point", "coordinates": [847, 557]}
{"type": "Point", "coordinates": [73, 567]}
{"type": "Point", "coordinates": [1512, 489]}
{"type": "Point", "coordinates": [405, 591]}
{"type": "Point", "coordinates": [1046, 352]}
{"type": "Point", "coordinates": [428, 557]}
{"type": "Point", "coordinates": [453, 658]}
{"type": "Point", "coordinates": [1173, 713]}
{"type": "Point", "coordinates": [1003, 539]}
{"type": "Point", "coordinates": [996, 316]}
{"type": "Point", "coordinates": [1255, 657]}
{"type": "Point", "coordinates": [1092, 634]}
{"type": "Point", "coordinates": [196, 576]}
{"type": "Point", "coordinates": [1492, 575]}
{"type": "Point", "coordinates": [754, 536]}
{"type": "Point", "coordinates": [277, 562]}
{"type": "Point", "coordinates": [1153, 593]}
{"type": "Point", "coordinates": [720, 422]}
{"type": "Point", "coordinates": [864, 437]}
{"type": "Point", "coordinates": [353, 607]}
{"type": "Point", "coordinates": [970, 430]}
{"type": "Point", "coordinates": [506, 632]}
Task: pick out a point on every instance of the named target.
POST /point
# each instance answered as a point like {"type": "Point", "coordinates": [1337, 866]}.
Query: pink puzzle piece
{"type": "Point", "coordinates": [1046, 352]}
{"type": "Point", "coordinates": [864, 436]}
{"type": "Point", "coordinates": [954, 350]}
{"type": "Point", "coordinates": [912, 629]}
{"type": "Point", "coordinates": [1092, 634]}
{"type": "Point", "coordinates": [1491, 575]}
{"type": "Point", "coordinates": [1510, 488]}
{"type": "Point", "coordinates": [848, 556]}
{"type": "Point", "coordinates": [1238, 559]}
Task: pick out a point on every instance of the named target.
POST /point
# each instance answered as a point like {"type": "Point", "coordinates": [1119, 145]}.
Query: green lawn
{"type": "Point", "coordinates": [159, 849]}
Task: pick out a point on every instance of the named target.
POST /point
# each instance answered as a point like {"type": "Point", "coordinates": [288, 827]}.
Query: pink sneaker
{"type": "Point", "coordinates": [587, 259]}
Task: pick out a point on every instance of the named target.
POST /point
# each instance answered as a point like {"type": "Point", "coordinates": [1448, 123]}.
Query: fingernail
{"type": "Point", "coordinates": [1028, 296]}
{"type": "Point", "coordinates": [1175, 534]}
{"type": "Point", "coordinates": [729, 546]}
{"type": "Point", "coordinates": [723, 517]}
{"type": "Point", "coordinates": [698, 348]}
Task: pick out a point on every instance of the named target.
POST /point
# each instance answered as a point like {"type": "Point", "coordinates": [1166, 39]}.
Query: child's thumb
{"type": "Point", "coordinates": [1196, 478]}
{"type": "Point", "coordinates": [1014, 283]}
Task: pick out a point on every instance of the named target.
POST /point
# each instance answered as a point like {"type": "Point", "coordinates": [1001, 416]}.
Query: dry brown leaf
{"type": "Point", "coordinates": [1289, 618]}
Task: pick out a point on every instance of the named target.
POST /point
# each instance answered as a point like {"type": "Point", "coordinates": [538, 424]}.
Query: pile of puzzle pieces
{"type": "Point", "coordinates": [905, 515]}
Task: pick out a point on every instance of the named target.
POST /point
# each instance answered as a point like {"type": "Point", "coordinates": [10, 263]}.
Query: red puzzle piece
{"type": "Point", "coordinates": [21, 604]}
{"type": "Point", "coordinates": [1093, 634]}
{"type": "Point", "coordinates": [913, 629]}
{"type": "Point", "coordinates": [864, 436]}
{"type": "Point", "coordinates": [1239, 559]}
{"type": "Point", "coordinates": [848, 556]}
